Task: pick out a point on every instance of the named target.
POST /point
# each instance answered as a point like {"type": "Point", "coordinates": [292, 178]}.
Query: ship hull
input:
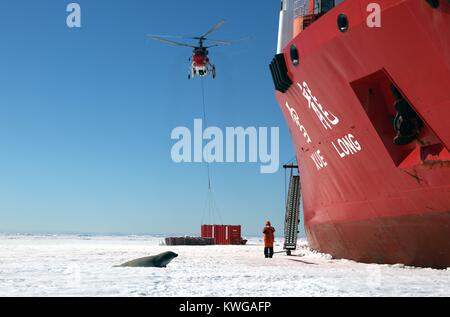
{"type": "Point", "coordinates": [366, 198]}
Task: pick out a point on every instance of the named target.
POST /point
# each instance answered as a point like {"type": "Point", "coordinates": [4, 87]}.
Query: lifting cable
{"type": "Point", "coordinates": [210, 205]}
{"type": "Point", "coordinates": [206, 124]}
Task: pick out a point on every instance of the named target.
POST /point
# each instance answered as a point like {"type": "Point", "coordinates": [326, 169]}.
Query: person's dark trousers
{"type": "Point", "coordinates": [268, 252]}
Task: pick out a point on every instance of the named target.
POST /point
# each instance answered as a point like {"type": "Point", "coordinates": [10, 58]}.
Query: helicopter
{"type": "Point", "coordinates": [200, 63]}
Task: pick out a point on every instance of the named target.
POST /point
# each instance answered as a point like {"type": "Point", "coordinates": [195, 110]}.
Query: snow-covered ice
{"type": "Point", "coordinates": [83, 266]}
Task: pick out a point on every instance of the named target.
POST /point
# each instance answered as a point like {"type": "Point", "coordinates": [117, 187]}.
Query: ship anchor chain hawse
{"type": "Point", "coordinates": [368, 109]}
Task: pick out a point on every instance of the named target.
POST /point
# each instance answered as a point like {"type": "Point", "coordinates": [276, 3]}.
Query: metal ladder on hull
{"type": "Point", "coordinates": [292, 219]}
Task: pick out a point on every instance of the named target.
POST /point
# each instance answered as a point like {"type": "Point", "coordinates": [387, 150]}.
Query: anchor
{"type": "Point", "coordinates": [407, 123]}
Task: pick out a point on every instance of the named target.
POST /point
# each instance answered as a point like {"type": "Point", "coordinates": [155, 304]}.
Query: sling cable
{"type": "Point", "coordinates": [210, 208]}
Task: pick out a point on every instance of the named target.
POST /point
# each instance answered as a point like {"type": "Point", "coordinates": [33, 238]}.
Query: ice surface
{"type": "Point", "coordinates": [83, 266]}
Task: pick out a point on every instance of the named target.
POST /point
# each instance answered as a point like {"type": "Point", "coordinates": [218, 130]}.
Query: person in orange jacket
{"type": "Point", "coordinates": [269, 239]}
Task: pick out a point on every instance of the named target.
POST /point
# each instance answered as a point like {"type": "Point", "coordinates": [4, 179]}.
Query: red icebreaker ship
{"type": "Point", "coordinates": [365, 89]}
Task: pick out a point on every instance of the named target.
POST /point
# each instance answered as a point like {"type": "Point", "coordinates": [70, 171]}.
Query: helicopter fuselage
{"type": "Point", "coordinates": [200, 57]}
{"type": "Point", "coordinates": [200, 63]}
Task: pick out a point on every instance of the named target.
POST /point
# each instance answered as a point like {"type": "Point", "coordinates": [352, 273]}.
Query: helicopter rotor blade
{"type": "Point", "coordinates": [220, 42]}
{"type": "Point", "coordinates": [164, 40]}
{"type": "Point", "coordinates": [214, 28]}
{"type": "Point", "coordinates": [173, 37]}
{"type": "Point", "coordinates": [168, 36]}
{"type": "Point", "coordinates": [225, 42]}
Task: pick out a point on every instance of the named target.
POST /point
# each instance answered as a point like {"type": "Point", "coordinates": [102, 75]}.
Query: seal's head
{"type": "Point", "coordinates": [167, 257]}
{"type": "Point", "coordinates": [172, 254]}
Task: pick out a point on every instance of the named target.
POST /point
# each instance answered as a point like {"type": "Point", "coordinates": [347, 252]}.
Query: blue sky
{"type": "Point", "coordinates": [86, 116]}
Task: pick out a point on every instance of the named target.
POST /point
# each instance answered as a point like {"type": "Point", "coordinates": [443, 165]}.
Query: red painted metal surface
{"type": "Point", "coordinates": [207, 231]}
{"type": "Point", "coordinates": [235, 234]}
{"type": "Point", "coordinates": [366, 198]}
{"type": "Point", "coordinates": [222, 234]}
{"type": "Point", "coordinates": [199, 59]}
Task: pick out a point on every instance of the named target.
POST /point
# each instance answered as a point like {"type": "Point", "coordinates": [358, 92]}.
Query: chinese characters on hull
{"type": "Point", "coordinates": [327, 119]}
{"type": "Point", "coordinates": [346, 146]}
{"type": "Point", "coordinates": [295, 117]}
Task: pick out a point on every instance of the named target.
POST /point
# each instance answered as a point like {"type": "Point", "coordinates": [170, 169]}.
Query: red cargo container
{"type": "Point", "coordinates": [223, 235]}
{"type": "Point", "coordinates": [207, 231]}
{"type": "Point", "coordinates": [235, 234]}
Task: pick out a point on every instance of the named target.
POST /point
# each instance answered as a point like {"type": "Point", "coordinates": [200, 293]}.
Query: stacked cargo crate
{"type": "Point", "coordinates": [223, 234]}
{"type": "Point", "coordinates": [174, 241]}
